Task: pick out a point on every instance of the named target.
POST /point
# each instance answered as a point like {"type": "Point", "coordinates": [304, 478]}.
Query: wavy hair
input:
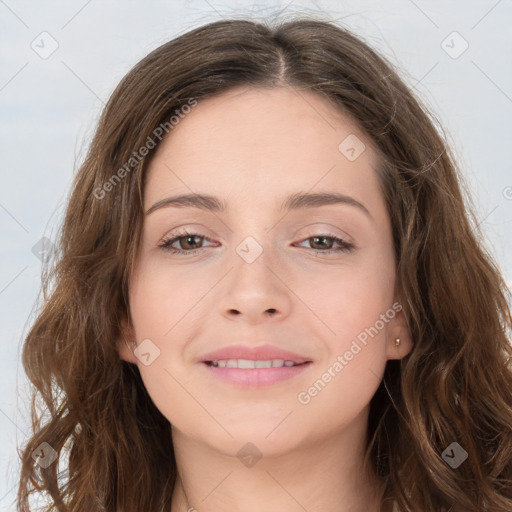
{"type": "Point", "coordinates": [114, 447]}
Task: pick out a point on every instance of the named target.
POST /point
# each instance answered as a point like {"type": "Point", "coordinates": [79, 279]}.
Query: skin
{"type": "Point", "coordinates": [252, 148]}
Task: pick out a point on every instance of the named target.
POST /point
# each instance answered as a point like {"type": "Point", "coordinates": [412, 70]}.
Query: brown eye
{"type": "Point", "coordinates": [322, 242]}
{"type": "Point", "coordinates": [319, 243]}
{"type": "Point", "coordinates": [188, 243]}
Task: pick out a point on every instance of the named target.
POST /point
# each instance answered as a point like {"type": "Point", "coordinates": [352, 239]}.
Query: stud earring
{"type": "Point", "coordinates": [397, 342]}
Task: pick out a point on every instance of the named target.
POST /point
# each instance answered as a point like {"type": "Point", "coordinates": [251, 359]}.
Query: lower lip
{"type": "Point", "coordinates": [255, 377]}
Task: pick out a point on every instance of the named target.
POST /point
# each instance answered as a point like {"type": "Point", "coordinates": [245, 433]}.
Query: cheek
{"type": "Point", "coordinates": [353, 307]}
{"type": "Point", "coordinates": [349, 299]}
{"type": "Point", "coordinates": [349, 307]}
{"type": "Point", "coordinates": [166, 308]}
{"type": "Point", "coordinates": [163, 297]}
{"type": "Point", "coordinates": [340, 391]}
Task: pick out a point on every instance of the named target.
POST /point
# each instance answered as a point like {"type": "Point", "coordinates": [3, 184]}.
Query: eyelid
{"type": "Point", "coordinates": [165, 245]}
{"type": "Point", "coordinates": [331, 230]}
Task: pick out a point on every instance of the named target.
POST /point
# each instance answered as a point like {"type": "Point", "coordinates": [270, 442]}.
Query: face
{"type": "Point", "coordinates": [312, 278]}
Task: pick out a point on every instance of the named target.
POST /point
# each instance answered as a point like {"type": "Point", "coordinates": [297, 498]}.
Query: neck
{"type": "Point", "coordinates": [322, 474]}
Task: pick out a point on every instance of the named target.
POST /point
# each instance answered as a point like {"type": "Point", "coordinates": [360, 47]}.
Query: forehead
{"type": "Point", "coordinates": [262, 145]}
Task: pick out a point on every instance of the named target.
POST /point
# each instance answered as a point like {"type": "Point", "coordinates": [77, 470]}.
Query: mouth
{"type": "Point", "coordinates": [254, 374]}
{"type": "Point", "coordinates": [253, 366]}
{"type": "Point", "coordinates": [248, 364]}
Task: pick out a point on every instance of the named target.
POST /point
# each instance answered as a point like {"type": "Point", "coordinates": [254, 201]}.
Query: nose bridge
{"type": "Point", "coordinates": [254, 285]}
{"type": "Point", "coordinates": [252, 234]}
{"type": "Point", "coordinates": [255, 257]}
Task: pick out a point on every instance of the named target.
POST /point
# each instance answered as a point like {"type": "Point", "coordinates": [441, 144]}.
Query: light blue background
{"type": "Point", "coordinates": [49, 108]}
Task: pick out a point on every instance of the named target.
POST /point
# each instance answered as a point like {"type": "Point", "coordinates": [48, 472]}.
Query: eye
{"type": "Point", "coordinates": [323, 240]}
{"type": "Point", "coordinates": [189, 242]}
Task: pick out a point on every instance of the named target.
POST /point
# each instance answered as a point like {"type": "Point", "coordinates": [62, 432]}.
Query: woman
{"type": "Point", "coordinates": [269, 295]}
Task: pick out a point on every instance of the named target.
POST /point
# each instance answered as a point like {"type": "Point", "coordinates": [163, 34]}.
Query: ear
{"type": "Point", "coordinates": [126, 344]}
{"type": "Point", "coordinates": [398, 329]}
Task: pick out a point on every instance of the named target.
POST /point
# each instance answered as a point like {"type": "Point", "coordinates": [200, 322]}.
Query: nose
{"type": "Point", "coordinates": [256, 291]}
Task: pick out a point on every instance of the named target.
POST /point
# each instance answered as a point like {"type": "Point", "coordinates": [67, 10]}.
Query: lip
{"type": "Point", "coordinates": [254, 377]}
{"type": "Point", "coordinates": [258, 353]}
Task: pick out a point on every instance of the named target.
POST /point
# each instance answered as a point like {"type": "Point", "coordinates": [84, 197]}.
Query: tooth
{"type": "Point", "coordinates": [263, 364]}
{"type": "Point", "coordinates": [246, 363]}
{"type": "Point", "coordinates": [249, 363]}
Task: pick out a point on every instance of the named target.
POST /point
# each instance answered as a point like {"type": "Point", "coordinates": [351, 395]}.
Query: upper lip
{"type": "Point", "coordinates": [258, 353]}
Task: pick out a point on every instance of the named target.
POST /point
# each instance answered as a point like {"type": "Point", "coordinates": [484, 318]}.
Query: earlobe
{"type": "Point", "coordinates": [399, 341]}
{"type": "Point", "coordinates": [399, 347]}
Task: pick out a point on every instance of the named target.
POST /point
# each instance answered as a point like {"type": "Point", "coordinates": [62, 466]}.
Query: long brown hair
{"type": "Point", "coordinates": [455, 386]}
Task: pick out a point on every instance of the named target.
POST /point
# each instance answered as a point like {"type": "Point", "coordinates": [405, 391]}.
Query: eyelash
{"type": "Point", "coordinates": [166, 244]}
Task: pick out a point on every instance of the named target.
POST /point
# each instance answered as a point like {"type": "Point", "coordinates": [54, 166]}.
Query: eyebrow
{"type": "Point", "coordinates": [293, 202]}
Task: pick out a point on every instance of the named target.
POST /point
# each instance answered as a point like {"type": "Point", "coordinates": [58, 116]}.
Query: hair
{"type": "Point", "coordinates": [455, 385]}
